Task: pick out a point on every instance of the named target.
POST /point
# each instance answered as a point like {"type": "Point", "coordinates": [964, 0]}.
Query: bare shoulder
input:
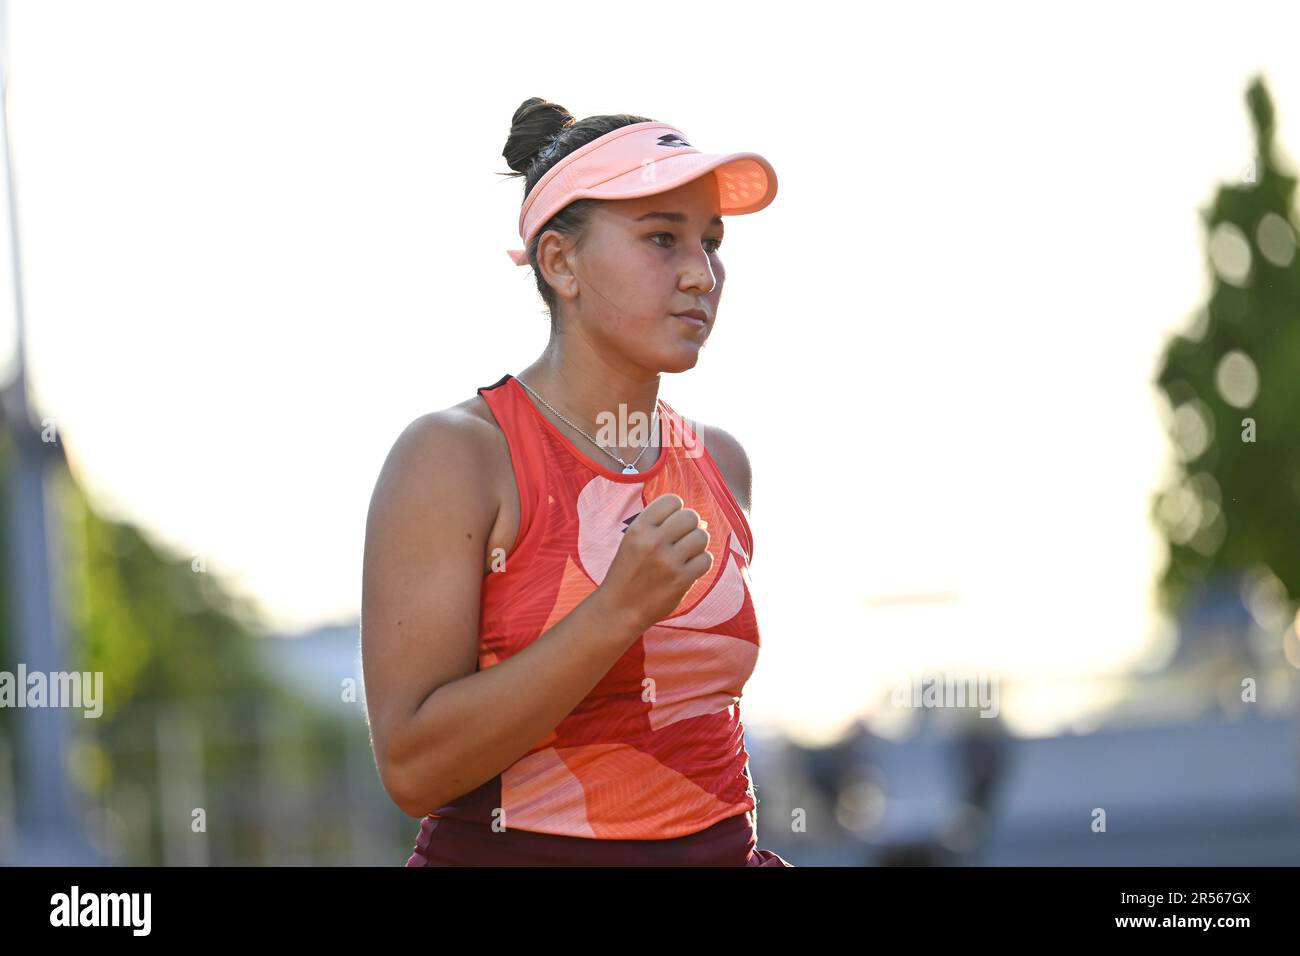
{"type": "Point", "coordinates": [731, 459]}
{"type": "Point", "coordinates": [445, 437]}
{"type": "Point", "coordinates": [474, 407]}
{"type": "Point", "coordinates": [448, 449]}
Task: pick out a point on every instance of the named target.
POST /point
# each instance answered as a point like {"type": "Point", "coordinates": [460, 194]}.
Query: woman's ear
{"type": "Point", "coordinates": [555, 253]}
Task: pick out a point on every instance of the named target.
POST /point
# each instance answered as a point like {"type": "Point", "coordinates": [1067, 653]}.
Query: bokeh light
{"type": "Point", "coordinates": [1230, 254]}
{"type": "Point", "coordinates": [1237, 379]}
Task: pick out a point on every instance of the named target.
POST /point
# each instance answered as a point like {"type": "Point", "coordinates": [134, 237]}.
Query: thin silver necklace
{"type": "Point", "coordinates": [629, 468]}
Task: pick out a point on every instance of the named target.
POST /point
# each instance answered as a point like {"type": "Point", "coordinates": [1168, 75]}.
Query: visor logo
{"type": "Point", "coordinates": [673, 139]}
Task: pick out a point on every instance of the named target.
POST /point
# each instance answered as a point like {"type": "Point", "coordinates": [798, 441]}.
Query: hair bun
{"type": "Point", "coordinates": [534, 126]}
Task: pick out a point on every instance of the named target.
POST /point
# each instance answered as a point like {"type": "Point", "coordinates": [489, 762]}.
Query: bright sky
{"type": "Point", "coordinates": [259, 238]}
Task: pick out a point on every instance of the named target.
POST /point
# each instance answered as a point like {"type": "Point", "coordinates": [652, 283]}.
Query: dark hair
{"type": "Point", "coordinates": [541, 134]}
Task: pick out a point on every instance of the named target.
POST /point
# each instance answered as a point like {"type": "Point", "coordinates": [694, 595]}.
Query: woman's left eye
{"type": "Point", "coordinates": [716, 242]}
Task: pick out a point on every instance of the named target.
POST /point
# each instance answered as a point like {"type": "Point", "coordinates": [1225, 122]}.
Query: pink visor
{"type": "Point", "coordinates": [641, 160]}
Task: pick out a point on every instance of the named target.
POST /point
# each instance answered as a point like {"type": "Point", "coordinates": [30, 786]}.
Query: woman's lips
{"type": "Point", "coordinates": [691, 319]}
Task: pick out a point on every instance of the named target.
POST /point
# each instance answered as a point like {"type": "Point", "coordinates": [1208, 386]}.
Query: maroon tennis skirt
{"type": "Point", "coordinates": [446, 841]}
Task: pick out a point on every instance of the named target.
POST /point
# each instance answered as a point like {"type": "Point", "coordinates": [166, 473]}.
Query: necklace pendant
{"type": "Point", "coordinates": [630, 470]}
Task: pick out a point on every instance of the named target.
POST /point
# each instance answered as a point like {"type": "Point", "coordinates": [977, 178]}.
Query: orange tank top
{"type": "Point", "coordinates": [656, 750]}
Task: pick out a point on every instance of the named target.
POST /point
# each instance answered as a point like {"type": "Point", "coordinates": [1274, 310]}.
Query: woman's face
{"type": "Point", "coordinates": [642, 262]}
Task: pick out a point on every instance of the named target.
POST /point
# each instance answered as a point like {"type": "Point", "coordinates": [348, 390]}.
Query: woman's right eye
{"type": "Point", "coordinates": [658, 234]}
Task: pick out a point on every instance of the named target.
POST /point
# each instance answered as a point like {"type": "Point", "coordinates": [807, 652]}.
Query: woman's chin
{"type": "Point", "coordinates": [679, 359]}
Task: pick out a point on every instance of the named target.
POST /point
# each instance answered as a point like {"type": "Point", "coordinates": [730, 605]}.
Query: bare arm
{"type": "Point", "coordinates": [439, 728]}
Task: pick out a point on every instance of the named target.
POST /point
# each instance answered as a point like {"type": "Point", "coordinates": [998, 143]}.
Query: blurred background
{"type": "Point", "coordinates": [1015, 355]}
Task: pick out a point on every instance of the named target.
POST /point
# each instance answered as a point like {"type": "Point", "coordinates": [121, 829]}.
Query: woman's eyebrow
{"type": "Point", "coordinates": [674, 217]}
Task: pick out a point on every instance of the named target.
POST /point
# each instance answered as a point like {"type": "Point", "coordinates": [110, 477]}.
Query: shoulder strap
{"type": "Point", "coordinates": [527, 456]}
{"type": "Point", "coordinates": [695, 449]}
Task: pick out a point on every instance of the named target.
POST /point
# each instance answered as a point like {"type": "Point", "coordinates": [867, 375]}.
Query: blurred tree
{"type": "Point", "coordinates": [168, 638]}
{"type": "Point", "coordinates": [1232, 381]}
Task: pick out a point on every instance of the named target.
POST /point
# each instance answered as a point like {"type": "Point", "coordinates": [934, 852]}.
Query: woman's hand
{"type": "Point", "coordinates": [662, 553]}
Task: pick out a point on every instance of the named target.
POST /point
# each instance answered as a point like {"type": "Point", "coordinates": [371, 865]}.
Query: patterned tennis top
{"type": "Point", "coordinates": [656, 750]}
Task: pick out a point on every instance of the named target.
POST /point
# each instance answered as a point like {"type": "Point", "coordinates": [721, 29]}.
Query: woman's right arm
{"type": "Point", "coordinates": [439, 728]}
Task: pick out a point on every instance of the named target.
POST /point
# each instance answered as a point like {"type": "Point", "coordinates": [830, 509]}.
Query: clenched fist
{"type": "Point", "coordinates": [663, 551]}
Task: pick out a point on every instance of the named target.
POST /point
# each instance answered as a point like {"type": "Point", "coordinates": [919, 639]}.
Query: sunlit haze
{"type": "Point", "coordinates": [259, 239]}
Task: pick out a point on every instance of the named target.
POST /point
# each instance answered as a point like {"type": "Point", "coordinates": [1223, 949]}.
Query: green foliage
{"type": "Point", "coordinates": [155, 626]}
{"type": "Point", "coordinates": [1233, 385]}
{"type": "Point", "coordinates": [176, 650]}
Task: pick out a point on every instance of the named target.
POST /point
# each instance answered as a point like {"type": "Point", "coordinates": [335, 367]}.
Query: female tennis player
{"type": "Point", "coordinates": [556, 616]}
